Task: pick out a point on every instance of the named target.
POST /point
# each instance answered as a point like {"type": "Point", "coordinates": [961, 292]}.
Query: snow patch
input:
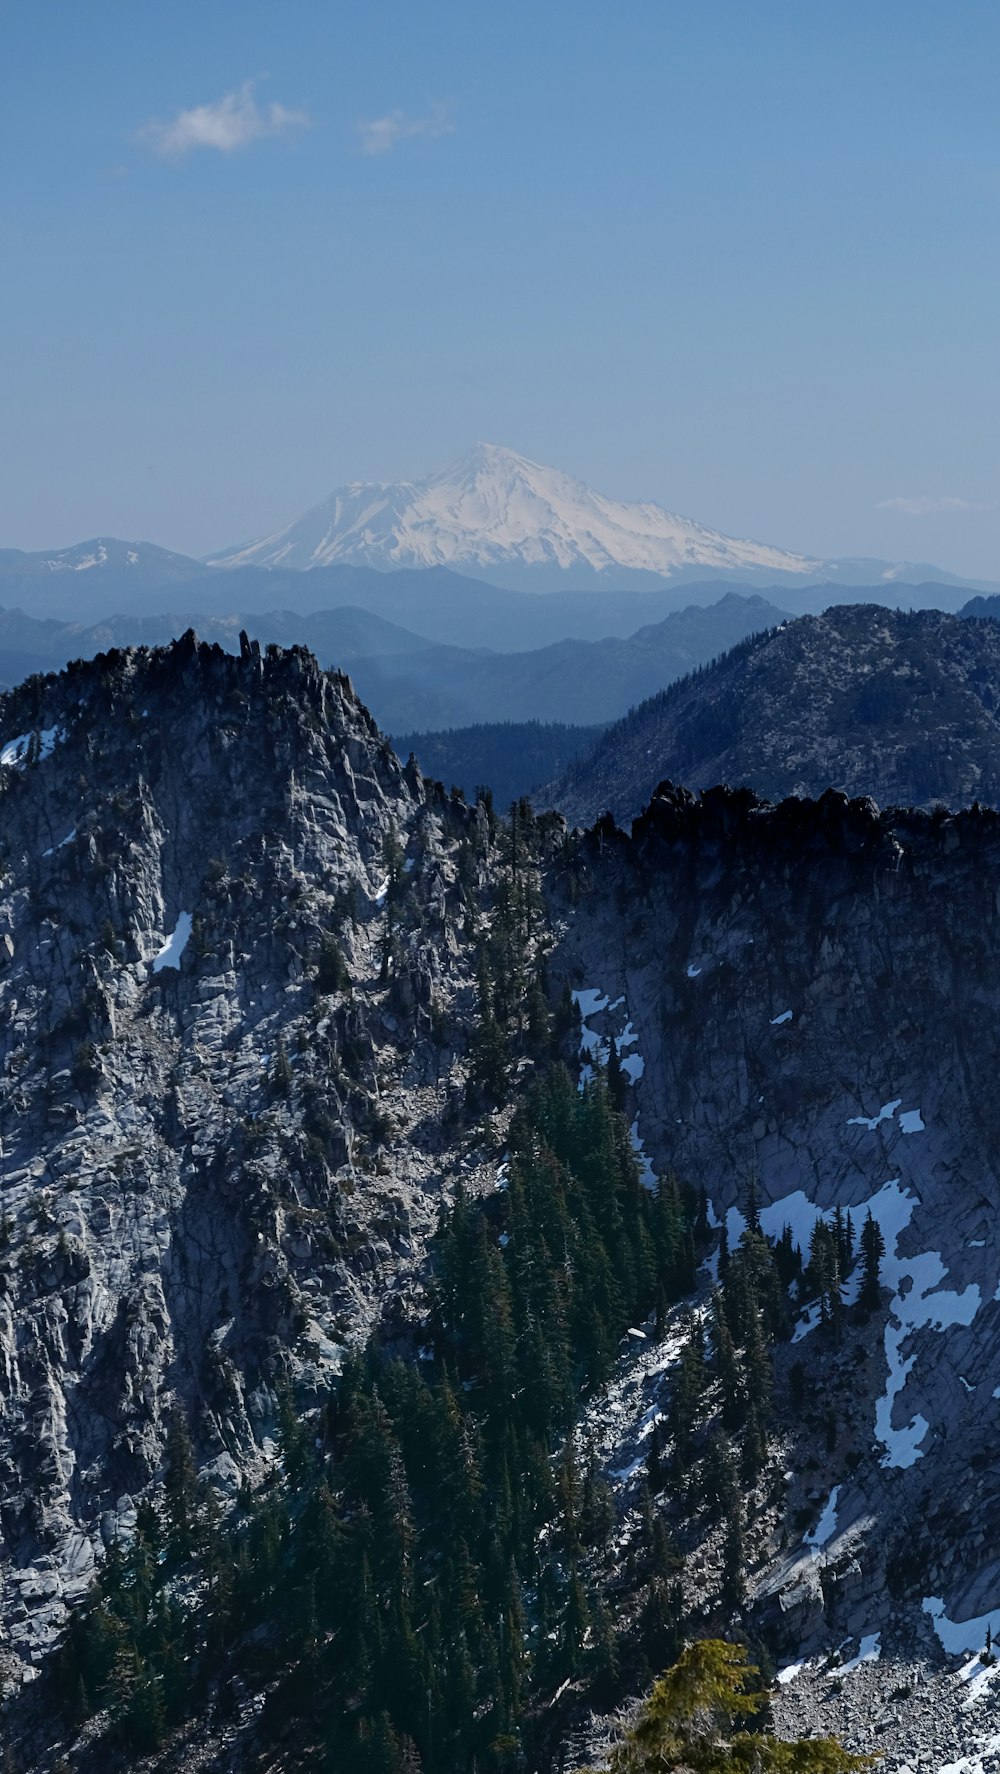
{"type": "Point", "coordinates": [977, 1677]}
{"type": "Point", "coordinates": [68, 839]}
{"type": "Point", "coordinates": [593, 1002]}
{"type": "Point", "coordinates": [918, 1301]}
{"type": "Point", "coordinates": [960, 1635]}
{"type": "Point", "coordinates": [15, 753]}
{"type": "Point", "coordinates": [809, 1323]}
{"type": "Point", "coordinates": [735, 1226]}
{"type": "Point", "coordinates": [788, 1674]}
{"type": "Point", "coordinates": [693, 972]}
{"type": "Point", "coordinates": [910, 1121]}
{"type": "Point", "coordinates": [590, 1002]}
{"type": "Point", "coordinates": [975, 1763]}
{"type": "Point", "coordinates": [886, 1113]}
{"type": "Point", "coordinates": [785, 1017]}
{"type": "Point", "coordinates": [647, 1175]}
{"type": "Point", "coordinates": [86, 561]}
{"type": "Point", "coordinates": [826, 1527]}
{"type": "Point", "coordinates": [869, 1651]}
{"type": "Point", "coordinates": [176, 943]}
{"type": "Point", "coordinates": [920, 1307]}
{"type": "Point", "coordinates": [795, 1210]}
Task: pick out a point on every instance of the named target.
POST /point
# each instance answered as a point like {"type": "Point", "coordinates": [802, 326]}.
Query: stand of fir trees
{"type": "Point", "coordinates": [426, 1573]}
{"type": "Point", "coordinates": [413, 1589]}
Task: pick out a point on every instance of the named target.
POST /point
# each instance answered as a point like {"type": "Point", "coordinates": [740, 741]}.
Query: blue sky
{"type": "Point", "coordinates": [741, 259]}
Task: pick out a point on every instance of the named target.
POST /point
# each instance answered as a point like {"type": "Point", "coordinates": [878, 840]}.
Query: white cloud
{"type": "Point", "coordinates": [381, 134]}
{"type": "Point", "coordinates": [925, 507]}
{"type": "Point", "coordinates": [230, 123]}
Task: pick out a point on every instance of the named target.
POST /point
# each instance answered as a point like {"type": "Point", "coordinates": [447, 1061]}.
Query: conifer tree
{"type": "Point", "coordinates": [655, 1476]}
{"type": "Point", "coordinates": [617, 1083]}
{"type": "Point", "coordinates": [872, 1252]}
{"type": "Point", "coordinates": [180, 1486]}
{"type": "Point", "coordinates": [575, 1623]}
{"type": "Point", "coordinates": [734, 1553]}
{"type": "Point", "coordinates": [332, 973]}
{"type": "Point", "coordinates": [604, 1656]}
{"type": "Point", "coordinates": [726, 1367]}
{"type": "Point", "coordinates": [596, 1503]}
{"type": "Point", "coordinates": [687, 1393]}
{"type": "Point", "coordinates": [751, 1203]}
{"type": "Point", "coordinates": [695, 1718]}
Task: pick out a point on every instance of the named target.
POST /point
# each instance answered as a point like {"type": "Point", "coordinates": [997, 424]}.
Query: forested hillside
{"type": "Point", "coordinates": [900, 706]}
{"type": "Point", "coordinates": [511, 758]}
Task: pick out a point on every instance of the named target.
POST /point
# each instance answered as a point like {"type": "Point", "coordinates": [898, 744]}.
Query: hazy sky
{"type": "Point", "coordinates": [742, 259]}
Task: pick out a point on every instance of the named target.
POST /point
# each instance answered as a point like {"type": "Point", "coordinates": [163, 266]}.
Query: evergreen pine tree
{"type": "Point", "coordinates": [180, 1487]}
{"type": "Point", "coordinates": [751, 1203]}
{"type": "Point", "coordinates": [604, 1658]}
{"type": "Point", "coordinates": [332, 973]}
{"type": "Point", "coordinates": [617, 1081]}
{"type": "Point", "coordinates": [734, 1554]}
{"type": "Point", "coordinates": [872, 1252]}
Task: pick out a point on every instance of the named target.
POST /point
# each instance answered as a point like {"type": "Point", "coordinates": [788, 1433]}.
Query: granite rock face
{"type": "Point", "coordinates": [214, 1173]}
{"type": "Point", "coordinates": [809, 995]}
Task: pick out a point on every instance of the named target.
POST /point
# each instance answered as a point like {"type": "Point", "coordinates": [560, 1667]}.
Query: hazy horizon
{"type": "Point", "coordinates": [740, 264]}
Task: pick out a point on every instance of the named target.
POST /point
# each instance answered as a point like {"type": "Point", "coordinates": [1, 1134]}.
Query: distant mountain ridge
{"type": "Point", "coordinates": [414, 684]}
{"type": "Point", "coordinates": [338, 636]}
{"type": "Point", "coordinates": [904, 707]}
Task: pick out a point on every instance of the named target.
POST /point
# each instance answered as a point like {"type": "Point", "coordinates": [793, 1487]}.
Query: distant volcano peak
{"type": "Point", "coordinates": [493, 509]}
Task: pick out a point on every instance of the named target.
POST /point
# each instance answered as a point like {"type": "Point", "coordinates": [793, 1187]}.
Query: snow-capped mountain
{"type": "Point", "coordinates": [104, 559]}
{"type": "Point", "coordinates": [108, 553]}
{"type": "Point", "coordinates": [495, 511]}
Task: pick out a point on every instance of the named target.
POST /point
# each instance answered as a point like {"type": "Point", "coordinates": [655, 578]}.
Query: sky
{"type": "Point", "coordinates": [743, 260]}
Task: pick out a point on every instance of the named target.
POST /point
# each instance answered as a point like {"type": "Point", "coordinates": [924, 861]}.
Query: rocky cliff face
{"type": "Point", "coordinates": [900, 706]}
{"type": "Point", "coordinates": [808, 996]}
{"type": "Point", "coordinates": [217, 1164]}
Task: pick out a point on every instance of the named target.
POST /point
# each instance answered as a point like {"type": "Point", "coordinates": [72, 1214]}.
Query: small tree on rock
{"type": "Point", "coordinates": [694, 1718]}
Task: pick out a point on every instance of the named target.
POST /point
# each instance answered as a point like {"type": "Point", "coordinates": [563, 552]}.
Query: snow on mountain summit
{"type": "Point", "coordinates": [493, 509]}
